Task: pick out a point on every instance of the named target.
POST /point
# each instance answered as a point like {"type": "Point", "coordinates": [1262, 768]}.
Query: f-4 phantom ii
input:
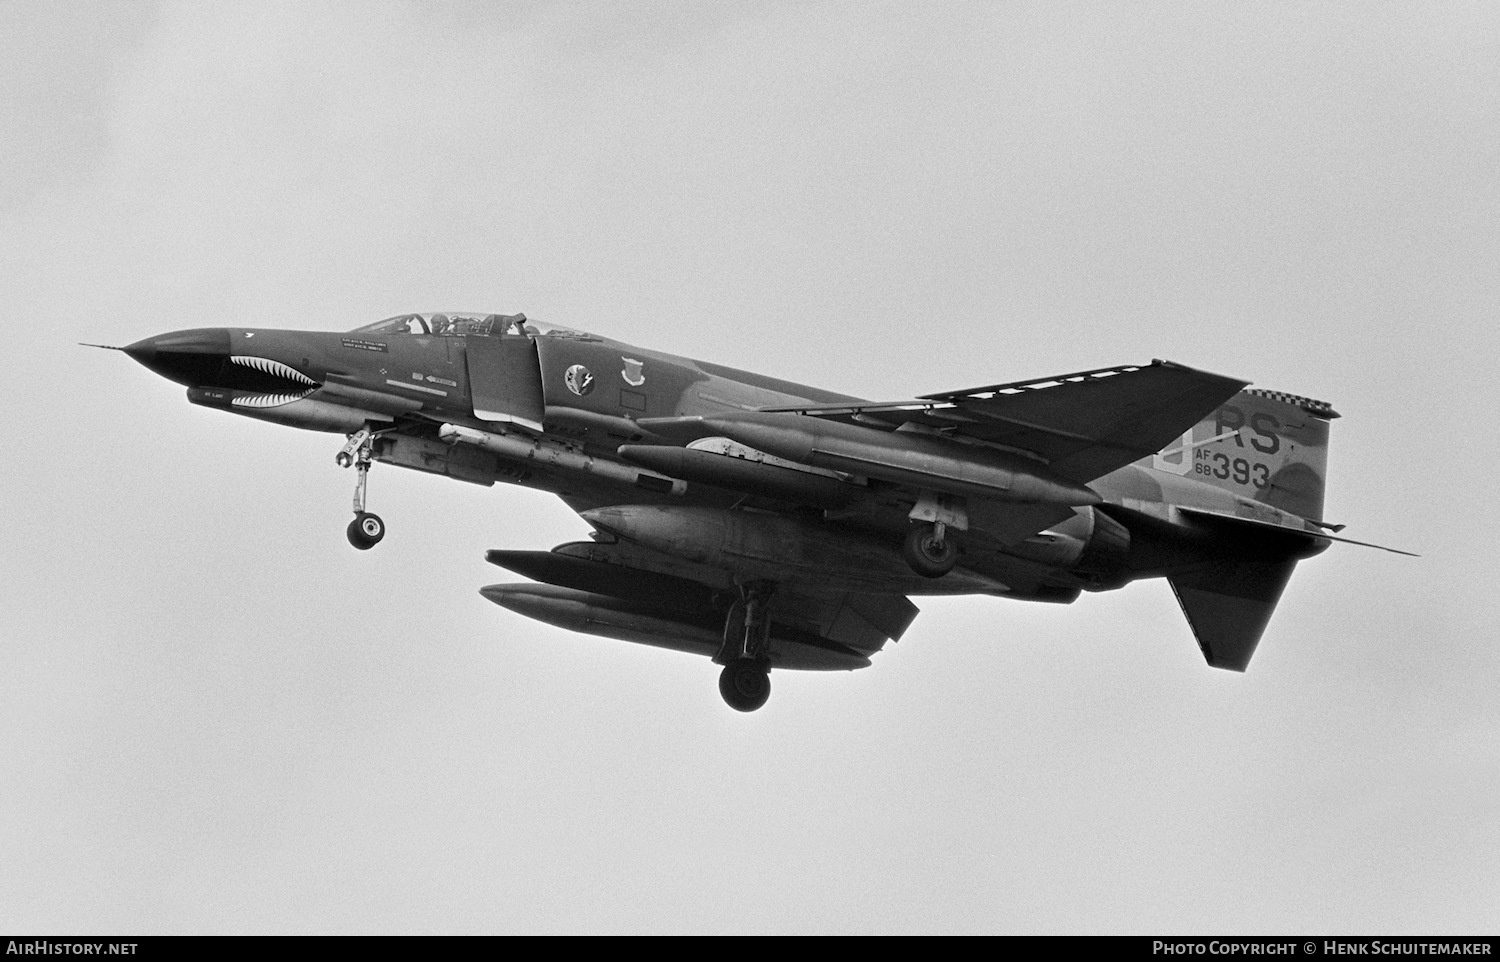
{"type": "Point", "coordinates": [766, 524]}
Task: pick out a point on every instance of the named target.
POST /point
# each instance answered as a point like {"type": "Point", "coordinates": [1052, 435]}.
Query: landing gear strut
{"type": "Point", "coordinates": [745, 681]}
{"type": "Point", "coordinates": [366, 530]}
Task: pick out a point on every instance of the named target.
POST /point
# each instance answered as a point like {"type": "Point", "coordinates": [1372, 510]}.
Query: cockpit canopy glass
{"type": "Point", "coordinates": [464, 324]}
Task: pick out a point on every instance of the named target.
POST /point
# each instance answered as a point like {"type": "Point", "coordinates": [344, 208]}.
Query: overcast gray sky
{"type": "Point", "coordinates": [216, 716]}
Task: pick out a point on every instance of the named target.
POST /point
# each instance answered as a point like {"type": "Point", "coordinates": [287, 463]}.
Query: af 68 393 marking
{"type": "Point", "coordinates": [1219, 465]}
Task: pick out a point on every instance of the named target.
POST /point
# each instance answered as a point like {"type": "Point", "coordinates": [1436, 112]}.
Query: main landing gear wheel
{"type": "Point", "coordinates": [929, 553]}
{"type": "Point", "coordinates": [745, 654]}
{"type": "Point", "coordinates": [366, 530]}
{"type": "Point", "coordinates": [745, 684]}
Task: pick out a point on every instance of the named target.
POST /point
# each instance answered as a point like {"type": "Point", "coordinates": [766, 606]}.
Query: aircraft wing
{"type": "Point", "coordinates": [1083, 425]}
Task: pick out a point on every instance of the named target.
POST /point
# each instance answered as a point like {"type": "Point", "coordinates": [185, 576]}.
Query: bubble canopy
{"type": "Point", "coordinates": [464, 324]}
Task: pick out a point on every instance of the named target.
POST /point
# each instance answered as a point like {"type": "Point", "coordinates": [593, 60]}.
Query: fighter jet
{"type": "Point", "coordinates": [766, 524]}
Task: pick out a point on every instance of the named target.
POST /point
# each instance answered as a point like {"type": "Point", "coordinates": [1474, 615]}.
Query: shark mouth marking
{"type": "Point", "coordinates": [276, 369]}
{"type": "Point", "coordinates": [267, 400]}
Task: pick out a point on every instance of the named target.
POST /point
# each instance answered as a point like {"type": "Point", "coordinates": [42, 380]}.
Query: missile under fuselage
{"type": "Point", "coordinates": [742, 473]}
{"type": "Point", "coordinates": [903, 457]}
{"type": "Point", "coordinates": [549, 454]}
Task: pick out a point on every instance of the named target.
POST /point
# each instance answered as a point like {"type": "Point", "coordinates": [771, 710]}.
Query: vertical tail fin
{"type": "Point", "coordinates": [1264, 445]}
{"type": "Point", "coordinates": [1268, 447]}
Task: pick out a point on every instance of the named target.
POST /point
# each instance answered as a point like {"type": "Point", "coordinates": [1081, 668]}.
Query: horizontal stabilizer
{"type": "Point", "coordinates": [1228, 605]}
{"type": "Point", "coordinates": [1270, 526]}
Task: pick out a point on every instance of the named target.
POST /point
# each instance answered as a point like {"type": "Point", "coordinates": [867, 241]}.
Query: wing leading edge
{"type": "Point", "coordinates": [1083, 425]}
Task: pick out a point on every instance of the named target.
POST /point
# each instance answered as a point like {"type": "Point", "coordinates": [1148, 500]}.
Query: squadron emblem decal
{"type": "Point", "coordinates": [632, 372]}
{"type": "Point", "coordinates": [579, 380]}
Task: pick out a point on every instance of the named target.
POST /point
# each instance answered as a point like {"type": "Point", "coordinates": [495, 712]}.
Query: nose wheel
{"type": "Point", "coordinates": [366, 530]}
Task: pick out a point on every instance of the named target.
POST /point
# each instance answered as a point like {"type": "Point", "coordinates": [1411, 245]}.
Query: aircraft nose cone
{"type": "Point", "coordinates": [187, 357]}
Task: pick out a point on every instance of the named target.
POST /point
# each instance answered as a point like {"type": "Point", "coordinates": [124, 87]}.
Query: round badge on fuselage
{"type": "Point", "coordinates": [579, 380]}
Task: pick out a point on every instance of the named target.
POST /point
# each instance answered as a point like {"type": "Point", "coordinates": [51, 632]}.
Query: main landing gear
{"type": "Point", "coordinates": [928, 548]}
{"type": "Point", "coordinates": [745, 681]}
{"type": "Point", "coordinates": [366, 530]}
{"type": "Point", "coordinates": [929, 551]}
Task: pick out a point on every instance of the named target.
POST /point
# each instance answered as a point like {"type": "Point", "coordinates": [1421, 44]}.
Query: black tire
{"type": "Point", "coordinates": [745, 684]}
{"type": "Point", "coordinates": [366, 530]}
{"type": "Point", "coordinates": [928, 556]}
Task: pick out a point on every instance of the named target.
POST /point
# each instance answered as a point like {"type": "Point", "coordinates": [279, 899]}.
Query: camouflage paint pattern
{"type": "Point", "coordinates": [1262, 446]}
{"type": "Point", "coordinates": [1260, 456]}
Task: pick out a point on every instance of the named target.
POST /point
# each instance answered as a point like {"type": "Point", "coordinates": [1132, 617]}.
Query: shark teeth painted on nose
{"type": "Point", "coordinates": [268, 400]}
{"type": "Point", "coordinates": [273, 367]}
{"type": "Point", "coordinates": [276, 369]}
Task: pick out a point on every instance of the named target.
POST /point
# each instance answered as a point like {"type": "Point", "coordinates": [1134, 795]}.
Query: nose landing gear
{"type": "Point", "coordinates": [366, 530]}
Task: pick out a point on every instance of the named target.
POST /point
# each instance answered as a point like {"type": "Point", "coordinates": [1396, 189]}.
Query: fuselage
{"type": "Point", "coordinates": [487, 398]}
{"type": "Point", "coordinates": [764, 523]}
